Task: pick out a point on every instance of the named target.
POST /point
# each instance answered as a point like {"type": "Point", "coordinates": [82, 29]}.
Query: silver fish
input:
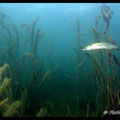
{"type": "Point", "coordinates": [101, 46]}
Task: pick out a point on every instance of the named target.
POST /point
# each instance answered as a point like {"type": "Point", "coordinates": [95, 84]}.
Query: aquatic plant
{"type": "Point", "coordinates": [39, 34]}
{"type": "Point", "coordinates": [116, 60]}
{"type": "Point", "coordinates": [42, 112]}
{"type": "Point", "coordinates": [23, 100]}
{"type": "Point", "coordinates": [9, 34]}
{"type": "Point", "coordinates": [27, 35]}
{"type": "Point", "coordinates": [9, 94]}
{"type": "Point", "coordinates": [4, 85]}
{"type": "Point", "coordinates": [50, 107]}
{"type": "Point", "coordinates": [2, 21]}
{"type": "Point", "coordinates": [97, 21]}
{"type": "Point", "coordinates": [45, 77]}
{"type": "Point", "coordinates": [16, 41]}
{"type": "Point", "coordinates": [10, 47]}
{"type": "Point", "coordinates": [101, 80]}
{"type": "Point", "coordinates": [4, 70]}
{"type": "Point", "coordinates": [1, 58]}
{"type": "Point", "coordinates": [36, 41]}
{"type": "Point", "coordinates": [32, 32]}
{"type": "Point", "coordinates": [87, 115]}
{"type": "Point", "coordinates": [3, 102]}
{"type": "Point", "coordinates": [69, 114]}
{"type": "Point", "coordinates": [78, 80]}
{"type": "Point", "coordinates": [97, 36]}
{"type": "Point", "coordinates": [106, 13]}
{"type": "Point", "coordinates": [12, 110]}
{"type": "Point", "coordinates": [97, 63]}
{"type": "Point", "coordinates": [25, 55]}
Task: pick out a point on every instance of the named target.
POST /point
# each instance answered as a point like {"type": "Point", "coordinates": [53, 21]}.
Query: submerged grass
{"type": "Point", "coordinates": [45, 77]}
{"type": "Point", "coordinates": [98, 64]}
{"type": "Point", "coordinates": [42, 112]}
{"type": "Point", "coordinates": [12, 110]}
{"type": "Point", "coordinates": [50, 107]}
{"type": "Point", "coordinates": [4, 102]}
{"type": "Point", "coordinates": [32, 32]}
{"type": "Point", "coordinates": [68, 114]}
{"type": "Point", "coordinates": [4, 85]}
{"type": "Point", "coordinates": [97, 36]}
{"type": "Point", "coordinates": [8, 49]}
{"type": "Point", "coordinates": [23, 100]}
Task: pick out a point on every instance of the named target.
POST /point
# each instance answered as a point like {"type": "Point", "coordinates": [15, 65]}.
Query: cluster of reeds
{"type": "Point", "coordinates": [105, 72]}
{"type": "Point", "coordinates": [24, 87]}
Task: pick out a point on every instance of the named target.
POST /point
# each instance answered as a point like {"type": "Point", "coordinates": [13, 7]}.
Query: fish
{"type": "Point", "coordinates": [101, 46]}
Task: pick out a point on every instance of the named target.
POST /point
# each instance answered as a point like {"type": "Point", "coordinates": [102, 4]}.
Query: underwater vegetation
{"type": "Point", "coordinates": [31, 86]}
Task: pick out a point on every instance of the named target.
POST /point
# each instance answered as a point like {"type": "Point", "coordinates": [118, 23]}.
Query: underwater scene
{"type": "Point", "coordinates": [59, 59]}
